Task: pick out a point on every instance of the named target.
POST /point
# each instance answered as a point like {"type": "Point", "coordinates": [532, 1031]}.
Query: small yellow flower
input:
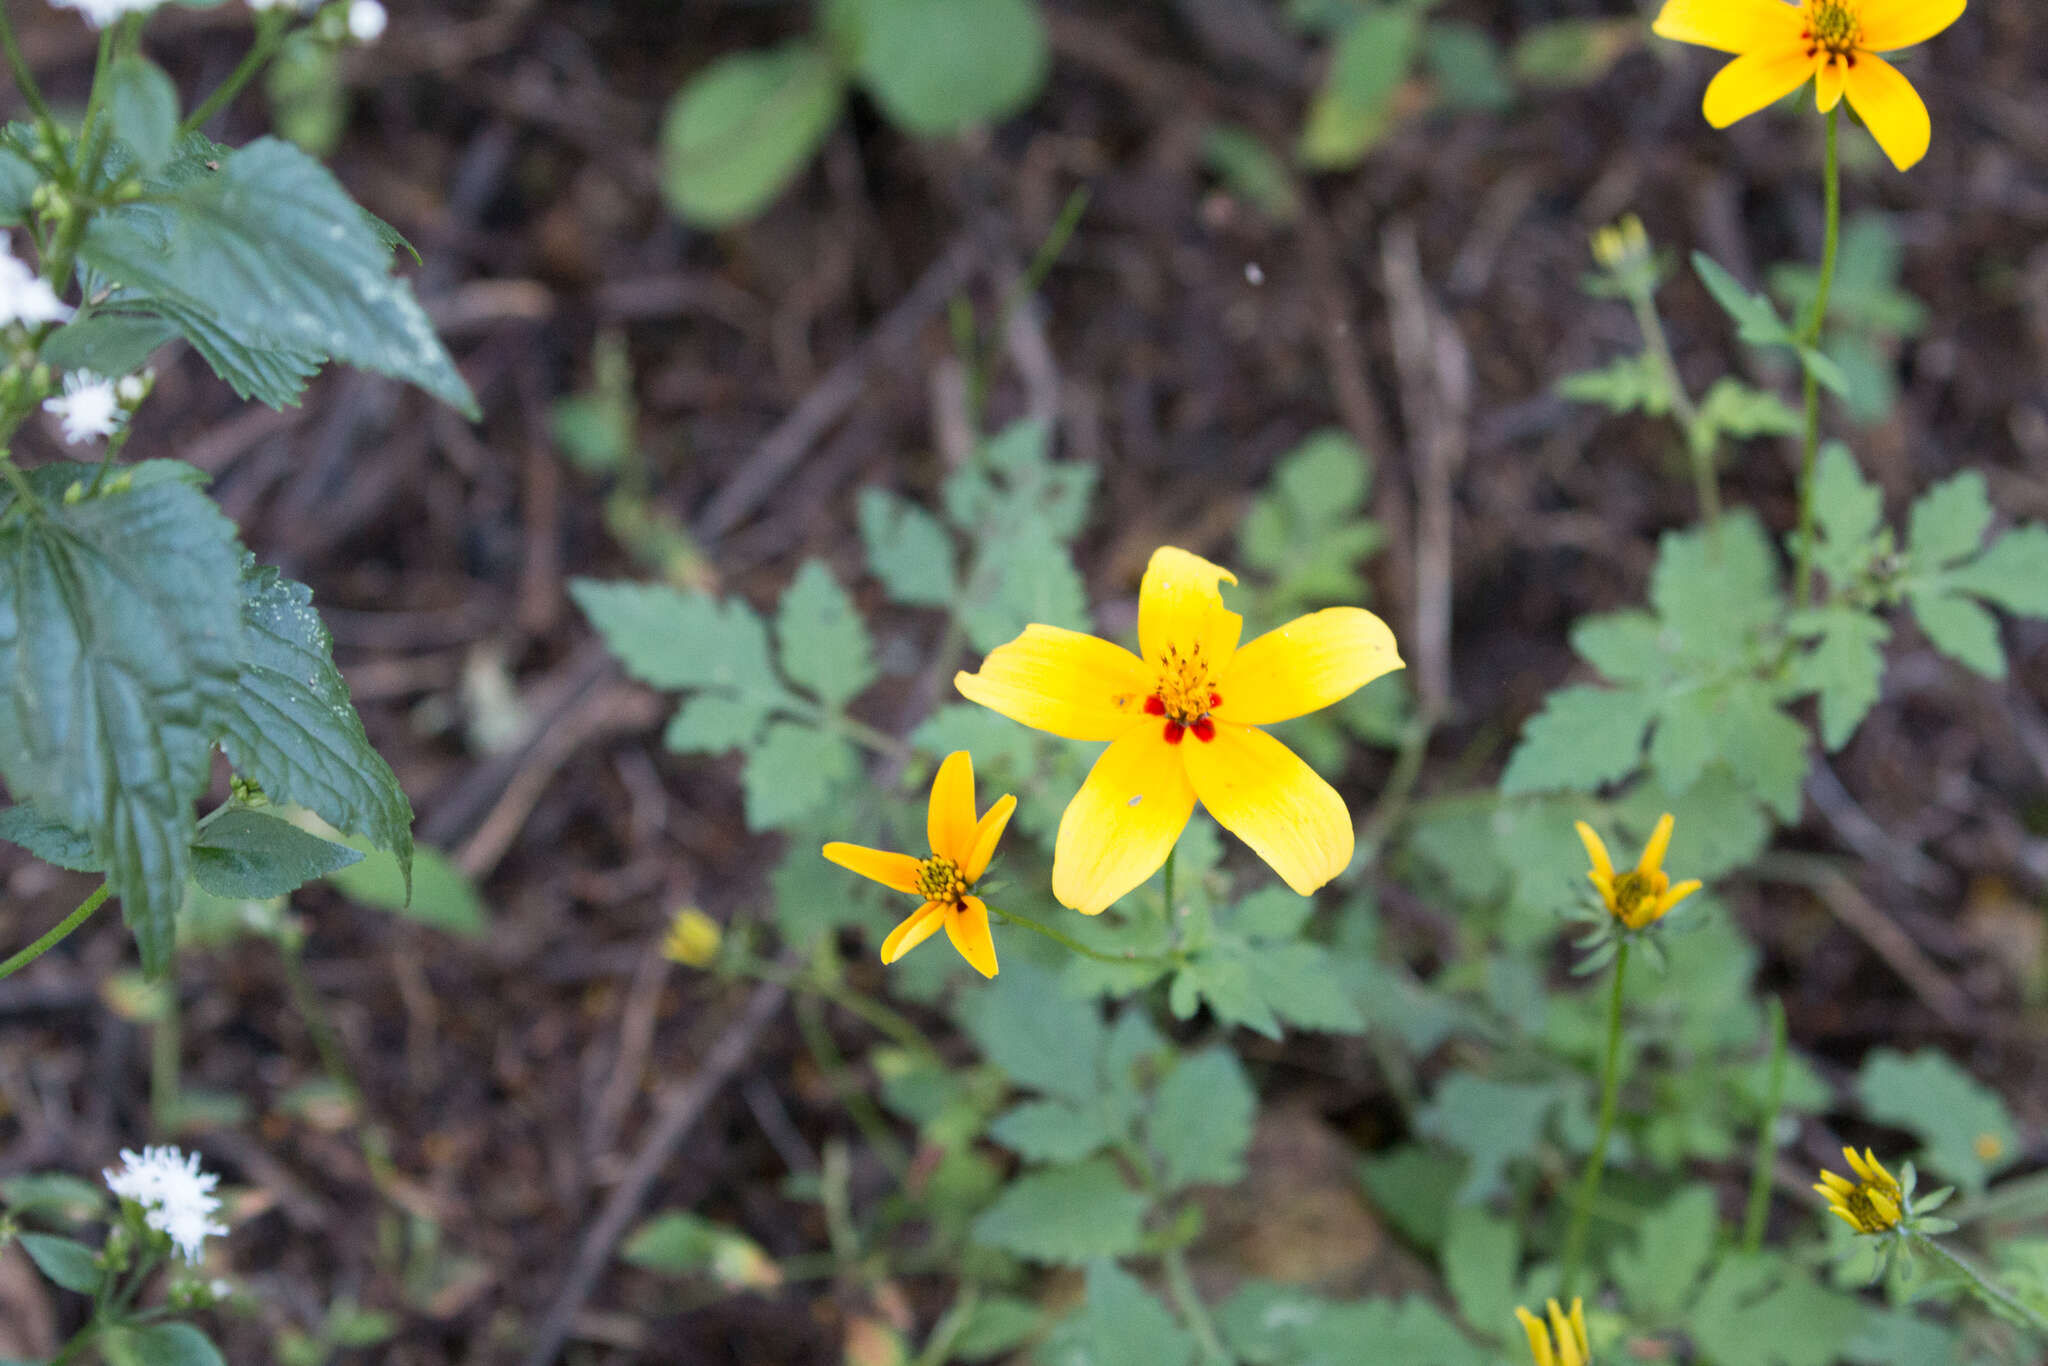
{"type": "Point", "coordinates": [961, 849]}
{"type": "Point", "coordinates": [1870, 1204]}
{"type": "Point", "coordinates": [692, 940]}
{"type": "Point", "coordinates": [1182, 722]}
{"type": "Point", "coordinates": [1643, 896]}
{"type": "Point", "coordinates": [1833, 43]}
{"type": "Point", "coordinates": [1570, 1331]}
{"type": "Point", "coordinates": [1622, 245]}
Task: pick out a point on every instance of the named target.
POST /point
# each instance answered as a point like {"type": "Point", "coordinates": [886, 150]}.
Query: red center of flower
{"type": "Point", "coordinates": [1178, 723]}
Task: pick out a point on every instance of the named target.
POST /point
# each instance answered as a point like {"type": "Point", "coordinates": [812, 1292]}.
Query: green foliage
{"type": "Point", "coordinates": [743, 127]}
{"type": "Point", "coordinates": [1069, 1214]}
{"type": "Point", "coordinates": [434, 892]}
{"type": "Point", "coordinates": [1491, 1123]}
{"type": "Point", "coordinates": [1672, 1246]}
{"type": "Point", "coordinates": [1201, 1120]}
{"type": "Point", "coordinates": [1868, 312]}
{"type": "Point", "coordinates": [1967, 1129]}
{"type": "Point", "coordinates": [1120, 1324]}
{"type": "Point", "coordinates": [1752, 1309]}
{"type": "Point", "coordinates": [1353, 110]}
{"type": "Point", "coordinates": [1249, 169]}
{"type": "Point", "coordinates": [66, 1262]}
{"type": "Point", "coordinates": [1275, 1325]}
{"type": "Point", "coordinates": [244, 853]}
{"type": "Point", "coordinates": [937, 68]}
{"type": "Point", "coordinates": [1308, 533]}
{"type": "Point", "coordinates": [1758, 323]}
{"type": "Point", "coordinates": [678, 1243]}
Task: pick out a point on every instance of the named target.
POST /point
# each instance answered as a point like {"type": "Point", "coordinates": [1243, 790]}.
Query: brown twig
{"type": "Point", "coordinates": [1874, 928]}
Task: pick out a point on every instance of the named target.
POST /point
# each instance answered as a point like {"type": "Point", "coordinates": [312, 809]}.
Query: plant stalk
{"type": "Point", "coordinates": [1809, 335]}
{"type": "Point", "coordinates": [1596, 1161]}
{"type": "Point", "coordinates": [1766, 1160]}
{"type": "Point", "coordinates": [1193, 1312]}
{"type": "Point", "coordinates": [58, 931]}
{"type": "Point", "coordinates": [1982, 1285]}
{"type": "Point", "coordinates": [1026, 922]}
{"type": "Point", "coordinates": [269, 37]}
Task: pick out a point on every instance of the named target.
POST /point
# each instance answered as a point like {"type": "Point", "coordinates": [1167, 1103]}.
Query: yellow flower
{"type": "Point", "coordinates": [1868, 1205]}
{"type": "Point", "coordinates": [1834, 43]}
{"type": "Point", "coordinates": [1643, 896]}
{"type": "Point", "coordinates": [692, 939]}
{"type": "Point", "coordinates": [1623, 244]}
{"type": "Point", "coordinates": [1182, 724]}
{"type": "Point", "coordinates": [1571, 1336]}
{"type": "Point", "coordinates": [961, 849]}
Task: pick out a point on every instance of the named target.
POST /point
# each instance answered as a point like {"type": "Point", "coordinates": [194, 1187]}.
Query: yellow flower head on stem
{"type": "Point", "coordinates": [1869, 1204]}
{"type": "Point", "coordinates": [1643, 895]}
{"type": "Point", "coordinates": [1569, 1331]}
{"type": "Point", "coordinates": [962, 845]}
{"type": "Point", "coordinates": [1182, 719]}
{"type": "Point", "coordinates": [692, 940]}
{"type": "Point", "coordinates": [1778, 47]}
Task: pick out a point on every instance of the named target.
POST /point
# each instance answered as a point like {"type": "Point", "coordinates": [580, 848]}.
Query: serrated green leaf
{"type": "Point", "coordinates": [1302, 984]}
{"type": "Point", "coordinates": [671, 639]}
{"type": "Point", "coordinates": [1625, 384]}
{"type": "Point", "coordinates": [1050, 1131]}
{"type": "Point", "coordinates": [1948, 522]}
{"type": "Point", "coordinates": [1672, 1245]}
{"type": "Point", "coordinates": [276, 255]}
{"type": "Point", "coordinates": [144, 106]}
{"type": "Point", "coordinates": [1121, 1324]}
{"type": "Point", "coordinates": [1224, 982]}
{"type": "Point", "coordinates": [1732, 408]}
{"type": "Point", "coordinates": [1966, 1126]}
{"type": "Point", "coordinates": [1020, 577]}
{"type": "Point", "coordinates": [1492, 1122]}
{"type": "Point", "coordinates": [106, 341]}
{"type": "Point", "coordinates": [1761, 1312]}
{"type": "Point", "coordinates": [1845, 666]}
{"type": "Point", "coordinates": [1309, 531]}
{"type": "Point", "coordinates": [50, 840]}
{"type": "Point", "coordinates": [2012, 572]}
{"type": "Point", "coordinates": [908, 550]}
{"type": "Point", "coordinates": [1848, 514]}
{"type": "Point", "coordinates": [1039, 1039]}
{"type": "Point", "coordinates": [1068, 1214]}
{"type": "Point", "coordinates": [119, 621]}
{"type": "Point", "coordinates": [742, 128]}
{"type": "Point", "coordinates": [1201, 1121]}
{"type": "Point", "coordinates": [1960, 628]}
{"type": "Point", "coordinates": [63, 1260]}
{"type": "Point", "coordinates": [1353, 110]}
{"type": "Point", "coordinates": [823, 642]}
{"type": "Point", "coordinates": [252, 856]}
{"type": "Point", "coordinates": [1583, 738]}
{"type": "Point", "coordinates": [1741, 725]}
{"type": "Point", "coordinates": [1272, 913]}
{"type": "Point", "coordinates": [1626, 647]}
{"type": "Point", "coordinates": [712, 723]}
{"type": "Point", "coordinates": [1755, 316]}
{"type": "Point", "coordinates": [1714, 588]}
{"type": "Point", "coordinates": [793, 771]}
{"type": "Point", "coordinates": [291, 727]}
{"type": "Point", "coordinates": [937, 68]}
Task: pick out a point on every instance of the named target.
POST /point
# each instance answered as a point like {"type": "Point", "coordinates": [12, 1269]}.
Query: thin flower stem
{"type": "Point", "coordinates": [269, 37]}
{"type": "Point", "coordinates": [938, 1348]}
{"type": "Point", "coordinates": [1766, 1159]}
{"type": "Point", "coordinates": [1181, 1286]}
{"type": "Point", "coordinates": [58, 931]}
{"type": "Point", "coordinates": [1026, 922]}
{"type": "Point", "coordinates": [1596, 1161]}
{"type": "Point", "coordinates": [1705, 485]}
{"type": "Point", "coordinates": [867, 1116]}
{"type": "Point", "coordinates": [1982, 1285]}
{"type": "Point", "coordinates": [1810, 335]}
{"type": "Point", "coordinates": [1166, 889]}
{"type": "Point", "coordinates": [25, 80]}
{"type": "Point", "coordinates": [166, 1048]}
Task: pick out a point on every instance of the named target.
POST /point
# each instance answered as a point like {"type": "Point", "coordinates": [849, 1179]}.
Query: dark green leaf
{"type": "Point", "coordinates": [68, 1263]}
{"type": "Point", "coordinates": [159, 1344]}
{"type": "Point", "coordinates": [246, 854]}
{"type": "Point", "coordinates": [49, 840]}
{"type": "Point", "coordinates": [144, 106]}
{"type": "Point", "coordinates": [107, 341]}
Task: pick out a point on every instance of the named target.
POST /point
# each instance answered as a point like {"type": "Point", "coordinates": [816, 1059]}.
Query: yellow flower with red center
{"type": "Point", "coordinates": [1643, 895]}
{"type": "Point", "coordinates": [1833, 43]}
{"type": "Point", "coordinates": [1870, 1204]}
{"type": "Point", "coordinates": [1182, 719]}
{"type": "Point", "coordinates": [1570, 1331]}
{"type": "Point", "coordinates": [962, 845]}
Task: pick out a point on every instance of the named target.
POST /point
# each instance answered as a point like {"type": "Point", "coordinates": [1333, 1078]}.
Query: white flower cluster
{"type": "Point", "coordinates": [176, 1197]}
{"type": "Point", "coordinates": [90, 407]}
{"type": "Point", "coordinates": [26, 297]}
{"type": "Point", "coordinates": [100, 13]}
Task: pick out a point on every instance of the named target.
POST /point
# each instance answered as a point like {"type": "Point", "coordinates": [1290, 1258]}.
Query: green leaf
{"type": "Point", "coordinates": [1627, 647]}
{"type": "Point", "coordinates": [118, 628]}
{"type": "Point", "coordinates": [999, 1324]}
{"type": "Point", "coordinates": [1121, 1324]}
{"type": "Point", "coordinates": [678, 1243]}
{"type": "Point", "coordinates": [107, 341]}
{"type": "Point", "coordinates": [275, 255]}
{"type": "Point", "coordinates": [144, 107]}
{"type": "Point", "coordinates": [1714, 589]}
{"type": "Point", "coordinates": [742, 128]}
{"type": "Point", "coordinates": [1249, 170]}
{"type": "Point", "coordinates": [712, 723]}
{"type": "Point", "coordinates": [1671, 1249]}
{"type": "Point", "coordinates": [1309, 530]}
{"type": "Point", "coordinates": [1201, 1120]}
{"type": "Point", "coordinates": [1567, 54]}
{"type": "Point", "coordinates": [1479, 1257]}
{"type": "Point", "coordinates": [1845, 666]}
{"type": "Point", "coordinates": [291, 727]}
{"type": "Point", "coordinates": [1732, 408]}
{"type": "Point", "coordinates": [1303, 985]}
{"type": "Point", "coordinates": [1039, 1040]}
{"type": "Point", "coordinates": [1021, 575]}
{"type": "Point", "coordinates": [1067, 1214]}
{"type": "Point", "coordinates": [824, 644]}
{"type": "Point", "coordinates": [246, 854]}
{"type": "Point", "coordinates": [2012, 573]}
{"type": "Point", "coordinates": [1272, 913]}
{"type": "Point", "coordinates": [937, 67]}
{"type": "Point", "coordinates": [18, 175]}
{"type": "Point", "coordinates": [159, 1344]}
{"type": "Point", "coordinates": [1224, 982]}
{"type": "Point", "coordinates": [1353, 110]}
{"type": "Point", "coordinates": [68, 1263]}
{"type": "Point", "coordinates": [1756, 317]}
{"type": "Point", "coordinates": [1051, 1131]}
{"type": "Point", "coordinates": [53, 1197]}
{"type": "Point", "coordinates": [1738, 723]}
{"type": "Point", "coordinates": [1968, 1131]}
{"type": "Point", "coordinates": [793, 772]}
{"type": "Point", "coordinates": [434, 892]}
{"type": "Point", "coordinates": [1761, 1312]}
{"type": "Point", "coordinates": [671, 639]}
{"type": "Point", "coordinates": [1960, 628]}
{"type": "Point", "coordinates": [908, 550]}
{"type": "Point", "coordinates": [50, 840]}
{"type": "Point", "coordinates": [1583, 738]}
{"type": "Point", "coordinates": [1848, 514]}
{"type": "Point", "coordinates": [1948, 522]}
{"type": "Point", "coordinates": [1467, 66]}
{"type": "Point", "coordinates": [1492, 1122]}
{"type": "Point", "coordinates": [1625, 384]}
{"type": "Point", "coordinates": [1413, 1186]}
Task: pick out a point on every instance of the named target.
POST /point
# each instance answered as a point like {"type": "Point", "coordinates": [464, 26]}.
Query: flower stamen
{"type": "Point", "coordinates": [1185, 697]}
{"type": "Point", "coordinates": [1833, 25]}
{"type": "Point", "coordinates": [940, 879]}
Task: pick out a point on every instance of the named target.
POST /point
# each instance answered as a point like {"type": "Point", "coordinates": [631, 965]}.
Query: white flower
{"type": "Point", "coordinates": [100, 13]}
{"type": "Point", "coordinates": [26, 297]}
{"type": "Point", "coordinates": [176, 1197]}
{"type": "Point", "coordinates": [366, 20]}
{"type": "Point", "coordinates": [89, 406]}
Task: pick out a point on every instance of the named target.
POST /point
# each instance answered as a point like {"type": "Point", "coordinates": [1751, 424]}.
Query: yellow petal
{"type": "Point", "coordinates": [1578, 1320]}
{"type": "Point", "coordinates": [1676, 895]}
{"type": "Point", "coordinates": [1890, 108]}
{"type": "Point", "coordinates": [891, 870]}
{"type": "Point", "coordinates": [1882, 1177]}
{"type": "Point", "coordinates": [1660, 841]}
{"type": "Point", "coordinates": [1827, 83]}
{"type": "Point", "coordinates": [1596, 850]}
{"type": "Point", "coordinates": [921, 925]}
{"type": "Point", "coordinates": [949, 821]}
{"type": "Point", "coordinates": [1730, 25]}
{"type": "Point", "coordinates": [1122, 823]}
{"type": "Point", "coordinates": [1561, 1329]}
{"type": "Point", "coordinates": [1862, 1167]}
{"type": "Point", "coordinates": [967, 927]}
{"type": "Point", "coordinates": [1833, 1185]}
{"type": "Point", "coordinates": [1260, 791]}
{"type": "Point", "coordinates": [1179, 607]}
{"type": "Point", "coordinates": [1305, 666]}
{"type": "Point", "coordinates": [986, 834]}
{"type": "Point", "coordinates": [1892, 24]}
{"type": "Point", "coordinates": [1061, 681]}
{"type": "Point", "coordinates": [1539, 1337]}
{"type": "Point", "coordinates": [1756, 80]}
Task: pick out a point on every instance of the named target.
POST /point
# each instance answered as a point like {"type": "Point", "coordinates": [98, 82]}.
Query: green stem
{"type": "Point", "coordinates": [96, 129]}
{"type": "Point", "coordinates": [1809, 335]}
{"type": "Point", "coordinates": [1766, 1161]}
{"type": "Point", "coordinates": [26, 81]}
{"type": "Point", "coordinates": [57, 933]}
{"type": "Point", "coordinates": [938, 1348]}
{"type": "Point", "coordinates": [1596, 1161]}
{"type": "Point", "coordinates": [1985, 1288]}
{"type": "Point", "coordinates": [1166, 888]}
{"type": "Point", "coordinates": [866, 1009]}
{"type": "Point", "coordinates": [1705, 486]}
{"type": "Point", "coordinates": [1038, 927]}
{"type": "Point", "coordinates": [867, 1116]}
{"type": "Point", "coordinates": [269, 37]}
{"type": "Point", "coordinates": [334, 1062]}
{"type": "Point", "coordinates": [1181, 1286]}
{"type": "Point", "coordinates": [165, 1081]}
